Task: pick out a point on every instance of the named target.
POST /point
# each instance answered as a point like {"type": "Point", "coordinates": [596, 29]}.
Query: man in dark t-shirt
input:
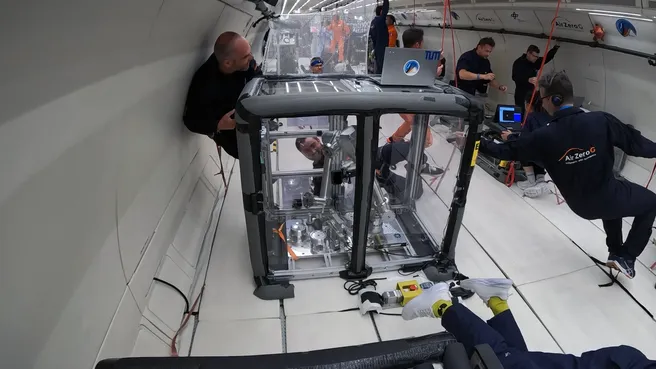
{"type": "Point", "coordinates": [474, 71]}
{"type": "Point", "coordinates": [215, 89]}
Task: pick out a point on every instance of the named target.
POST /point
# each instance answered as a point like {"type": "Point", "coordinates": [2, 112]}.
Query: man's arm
{"type": "Point", "coordinates": [525, 148]}
{"type": "Point", "coordinates": [629, 139]}
{"type": "Point", "coordinates": [516, 73]}
{"type": "Point", "coordinates": [198, 115]}
{"type": "Point", "coordinates": [550, 55]}
{"type": "Point", "coordinates": [385, 10]}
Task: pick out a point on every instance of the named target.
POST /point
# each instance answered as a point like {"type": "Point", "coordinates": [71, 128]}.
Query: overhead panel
{"type": "Point", "coordinates": [628, 33]}
{"type": "Point", "coordinates": [519, 20]}
{"type": "Point", "coordinates": [459, 18]}
{"type": "Point", "coordinates": [575, 25]}
{"type": "Point", "coordinates": [484, 19]}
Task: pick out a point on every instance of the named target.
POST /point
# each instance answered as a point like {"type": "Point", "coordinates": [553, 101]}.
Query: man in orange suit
{"type": "Point", "coordinates": [340, 31]}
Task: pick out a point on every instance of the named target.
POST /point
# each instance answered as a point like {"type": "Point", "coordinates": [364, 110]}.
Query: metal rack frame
{"type": "Point", "coordinates": [367, 107]}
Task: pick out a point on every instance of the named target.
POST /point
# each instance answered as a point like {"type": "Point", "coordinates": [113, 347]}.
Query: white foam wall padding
{"type": "Point", "coordinates": [98, 169]}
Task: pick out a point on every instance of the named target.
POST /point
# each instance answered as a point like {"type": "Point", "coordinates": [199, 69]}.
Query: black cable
{"type": "Point", "coordinates": [354, 287]}
{"type": "Point", "coordinates": [177, 289]}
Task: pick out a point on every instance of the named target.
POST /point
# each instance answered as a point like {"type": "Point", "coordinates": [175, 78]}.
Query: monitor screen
{"type": "Point", "coordinates": [508, 114]}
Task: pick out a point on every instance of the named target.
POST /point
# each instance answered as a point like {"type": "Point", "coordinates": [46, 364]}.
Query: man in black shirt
{"type": "Point", "coordinates": [525, 69]}
{"type": "Point", "coordinates": [474, 71]}
{"type": "Point", "coordinates": [215, 88]}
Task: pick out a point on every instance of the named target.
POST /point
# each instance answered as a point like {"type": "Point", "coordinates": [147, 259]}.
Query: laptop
{"type": "Point", "coordinates": [409, 67]}
{"type": "Point", "coordinates": [509, 116]}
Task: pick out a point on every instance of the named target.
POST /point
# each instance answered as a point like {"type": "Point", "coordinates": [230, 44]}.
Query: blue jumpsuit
{"type": "Point", "coordinates": [577, 149]}
{"type": "Point", "coordinates": [380, 36]}
{"type": "Point", "coordinates": [503, 335]}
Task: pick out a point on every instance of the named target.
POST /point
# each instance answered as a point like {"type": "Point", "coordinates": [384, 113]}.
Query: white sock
{"type": "Point", "coordinates": [530, 177]}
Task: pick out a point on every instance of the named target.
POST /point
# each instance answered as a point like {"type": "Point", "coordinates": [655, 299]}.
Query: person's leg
{"type": "Point", "coordinates": [495, 292]}
{"type": "Point", "coordinates": [530, 177]}
{"type": "Point", "coordinates": [613, 229]}
{"type": "Point", "coordinates": [615, 357]}
{"type": "Point", "coordinates": [539, 173]}
{"type": "Point", "coordinates": [341, 49]}
{"type": "Point", "coordinates": [639, 235]}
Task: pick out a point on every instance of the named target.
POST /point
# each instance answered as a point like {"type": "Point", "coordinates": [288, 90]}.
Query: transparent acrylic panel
{"type": "Point", "coordinates": [310, 226]}
{"type": "Point", "coordinates": [339, 37]}
{"type": "Point", "coordinates": [312, 233]}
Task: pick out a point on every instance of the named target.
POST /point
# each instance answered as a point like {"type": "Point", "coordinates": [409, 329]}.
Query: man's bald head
{"type": "Point", "coordinates": [233, 52]}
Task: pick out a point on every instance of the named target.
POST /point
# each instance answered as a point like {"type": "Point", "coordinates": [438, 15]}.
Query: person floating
{"type": "Point", "coordinates": [503, 334]}
{"type": "Point", "coordinates": [577, 150]}
{"type": "Point", "coordinates": [340, 31]}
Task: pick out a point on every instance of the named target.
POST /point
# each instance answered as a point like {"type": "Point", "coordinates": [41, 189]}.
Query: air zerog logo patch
{"type": "Point", "coordinates": [576, 155]}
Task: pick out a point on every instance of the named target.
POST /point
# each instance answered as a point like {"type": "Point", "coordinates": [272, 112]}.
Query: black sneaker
{"type": "Point", "coordinates": [625, 265]}
{"type": "Point", "coordinates": [429, 169]}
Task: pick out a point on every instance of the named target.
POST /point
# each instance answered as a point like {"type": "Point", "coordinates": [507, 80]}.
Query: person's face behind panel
{"type": "Point", "coordinates": [241, 55]}
{"type": "Point", "coordinates": [312, 148]}
{"type": "Point", "coordinates": [388, 20]}
{"type": "Point", "coordinates": [317, 69]}
{"type": "Point", "coordinates": [484, 51]}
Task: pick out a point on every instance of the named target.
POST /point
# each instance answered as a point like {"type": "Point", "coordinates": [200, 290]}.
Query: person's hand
{"type": "Point", "coordinates": [505, 134]}
{"type": "Point", "coordinates": [439, 70]}
{"type": "Point", "coordinates": [488, 76]}
{"type": "Point", "coordinates": [503, 88]}
{"type": "Point", "coordinates": [226, 123]}
{"type": "Point", "coordinates": [533, 80]}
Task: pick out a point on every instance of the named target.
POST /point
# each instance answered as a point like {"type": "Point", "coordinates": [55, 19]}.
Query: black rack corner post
{"type": "Point", "coordinates": [467, 164]}
{"type": "Point", "coordinates": [365, 157]}
{"type": "Point", "coordinates": [249, 144]}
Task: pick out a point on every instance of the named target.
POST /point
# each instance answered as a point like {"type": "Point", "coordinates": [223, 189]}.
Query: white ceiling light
{"type": "Point", "coordinates": [304, 4]}
{"type": "Point", "coordinates": [608, 11]}
{"type": "Point", "coordinates": [284, 4]}
{"type": "Point", "coordinates": [620, 16]}
{"type": "Point", "coordinates": [293, 6]}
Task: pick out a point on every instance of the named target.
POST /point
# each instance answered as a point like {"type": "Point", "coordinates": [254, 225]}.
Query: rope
{"type": "Point", "coordinates": [510, 177]}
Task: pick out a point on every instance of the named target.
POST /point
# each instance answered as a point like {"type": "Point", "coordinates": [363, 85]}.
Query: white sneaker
{"type": "Point", "coordinates": [536, 191]}
{"type": "Point", "coordinates": [489, 287]}
{"type": "Point", "coordinates": [422, 305]}
{"type": "Point", "coordinates": [539, 178]}
{"type": "Point", "coordinates": [525, 184]}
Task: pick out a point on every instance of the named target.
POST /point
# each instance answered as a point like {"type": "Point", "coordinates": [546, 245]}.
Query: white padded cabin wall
{"type": "Point", "coordinates": [102, 186]}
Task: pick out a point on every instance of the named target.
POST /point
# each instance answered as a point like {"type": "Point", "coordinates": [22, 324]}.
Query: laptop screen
{"type": "Point", "coordinates": [508, 114]}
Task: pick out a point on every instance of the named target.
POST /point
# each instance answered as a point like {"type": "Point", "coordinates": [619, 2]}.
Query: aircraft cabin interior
{"type": "Point", "coordinates": [129, 241]}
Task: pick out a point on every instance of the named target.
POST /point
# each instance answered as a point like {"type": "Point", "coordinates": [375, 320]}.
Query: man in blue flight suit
{"type": "Point", "coordinates": [503, 334]}
{"type": "Point", "coordinates": [577, 150]}
{"type": "Point", "coordinates": [379, 35]}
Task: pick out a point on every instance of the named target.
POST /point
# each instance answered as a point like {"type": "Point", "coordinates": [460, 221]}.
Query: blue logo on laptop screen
{"type": "Point", "coordinates": [411, 68]}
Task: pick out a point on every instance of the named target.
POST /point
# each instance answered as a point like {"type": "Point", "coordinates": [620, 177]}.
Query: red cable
{"type": "Point", "coordinates": [174, 349]}
{"type": "Point", "coordinates": [510, 177]}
